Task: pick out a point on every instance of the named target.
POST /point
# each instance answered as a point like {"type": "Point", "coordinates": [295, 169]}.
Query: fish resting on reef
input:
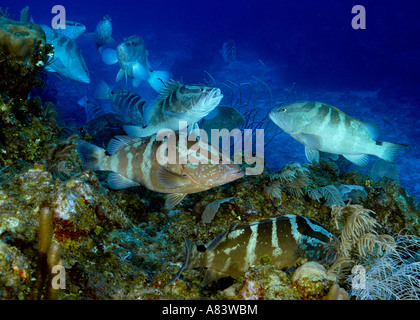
{"type": "Point", "coordinates": [140, 161]}
{"type": "Point", "coordinates": [176, 103]}
{"type": "Point", "coordinates": [321, 127]}
{"type": "Point", "coordinates": [283, 239]}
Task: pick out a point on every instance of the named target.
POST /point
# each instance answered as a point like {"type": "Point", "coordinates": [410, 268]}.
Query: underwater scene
{"type": "Point", "coordinates": [209, 150]}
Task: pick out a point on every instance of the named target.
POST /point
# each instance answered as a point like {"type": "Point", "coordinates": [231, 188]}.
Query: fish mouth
{"type": "Point", "coordinates": [276, 119]}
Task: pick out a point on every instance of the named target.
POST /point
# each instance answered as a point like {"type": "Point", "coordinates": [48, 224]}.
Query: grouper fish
{"type": "Point", "coordinates": [138, 161]}
{"type": "Point", "coordinates": [175, 103]}
{"type": "Point", "coordinates": [132, 56]}
{"type": "Point", "coordinates": [283, 239]}
{"type": "Point", "coordinates": [321, 127]}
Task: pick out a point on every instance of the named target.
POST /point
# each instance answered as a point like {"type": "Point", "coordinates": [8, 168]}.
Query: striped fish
{"type": "Point", "coordinates": [284, 239]}
{"type": "Point", "coordinates": [129, 105]}
{"type": "Point", "coordinates": [135, 161]}
{"type": "Point", "coordinates": [321, 127]}
{"type": "Point", "coordinates": [177, 102]}
{"type": "Point", "coordinates": [68, 59]}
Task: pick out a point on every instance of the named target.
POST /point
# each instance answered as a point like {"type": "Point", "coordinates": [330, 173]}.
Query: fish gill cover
{"type": "Point", "coordinates": [70, 97]}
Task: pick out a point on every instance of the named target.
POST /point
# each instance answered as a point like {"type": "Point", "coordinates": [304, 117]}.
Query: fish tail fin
{"type": "Point", "coordinates": [103, 91]}
{"type": "Point", "coordinates": [158, 79]}
{"type": "Point", "coordinates": [190, 249]}
{"type": "Point", "coordinates": [92, 156]}
{"type": "Point", "coordinates": [389, 151]}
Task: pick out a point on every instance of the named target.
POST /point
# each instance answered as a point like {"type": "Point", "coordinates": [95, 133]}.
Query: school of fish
{"type": "Point", "coordinates": [140, 158]}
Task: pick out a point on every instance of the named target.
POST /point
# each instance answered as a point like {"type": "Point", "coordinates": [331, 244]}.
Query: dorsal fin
{"type": "Point", "coordinates": [117, 143]}
{"type": "Point", "coordinates": [152, 108]}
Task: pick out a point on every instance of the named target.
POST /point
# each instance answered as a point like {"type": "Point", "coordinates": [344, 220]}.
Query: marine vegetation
{"type": "Point", "coordinates": [123, 236]}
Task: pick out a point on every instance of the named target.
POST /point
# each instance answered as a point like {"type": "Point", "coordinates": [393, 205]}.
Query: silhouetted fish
{"type": "Point", "coordinates": [228, 51]}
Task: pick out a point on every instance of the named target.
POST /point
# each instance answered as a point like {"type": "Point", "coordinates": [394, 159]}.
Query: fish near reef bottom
{"type": "Point", "coordinates": [284, 239]}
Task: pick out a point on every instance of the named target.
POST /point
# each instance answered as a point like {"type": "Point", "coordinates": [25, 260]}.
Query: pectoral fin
{"type": "Point", "coordinates": [169, 179]}
{"type": "Point", "coordinates": [310, 140]}
{"type": "Point", "coordinates": [178, 115]}
{"type": "Point", "coordinates": [211, 276]}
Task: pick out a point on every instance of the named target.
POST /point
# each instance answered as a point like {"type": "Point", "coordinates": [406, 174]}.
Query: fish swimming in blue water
{"type": "Point", "coordinates": [73, 30]}
{"type": "Point", "coordinates": [92, 108]}
{"type": "Point", "coordinates": [103, 33]}
{"type": "Point", "coordinates": [321, 127]}
{"type": "Point", "coordinates": [177, 102]}
{"type": "Point", "coordinates": [134, 162]}
{"type": "Point", "coordinates": [132, 57]}
{"type": "Point", "coordinates": [228, 51]}
{"type": "Point", "coordinates": [129, 105]}
{"type": "Point", "coordinates": [68, 59]}
{"type": "Point", "coordinates": [284, 239]}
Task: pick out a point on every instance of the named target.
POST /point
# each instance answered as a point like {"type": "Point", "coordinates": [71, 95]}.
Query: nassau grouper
{"type": "Point", "coordinates": [321, 127]}
{"type": "Point", "coordinates": [141, 161]}
{"type": "Point", "coordinates": [175, 103]}
{"type": "Point", "coordinates": [284, 239]}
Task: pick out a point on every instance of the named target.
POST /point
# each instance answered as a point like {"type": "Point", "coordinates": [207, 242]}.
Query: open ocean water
{"type": "Point", "coordinates": [306, 50]}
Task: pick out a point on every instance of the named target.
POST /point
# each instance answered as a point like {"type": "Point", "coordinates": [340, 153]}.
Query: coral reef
{"type": "Point", "coordinates": [123, 245]}
{"type": "Point", "coordinates": [23, 55]}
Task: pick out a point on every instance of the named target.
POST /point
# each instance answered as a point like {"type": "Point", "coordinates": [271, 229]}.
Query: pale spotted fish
{"type": "Point", "coordinates": [134, 162]}
{"type": "Point", "coordinates": [177, 102]}
{"type": "Point", "coordinates": [321, 127]}
{"type": "Point", "coordinates": [283, 239]}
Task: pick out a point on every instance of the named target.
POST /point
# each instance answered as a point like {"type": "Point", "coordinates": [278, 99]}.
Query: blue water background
{"type": "Point", "coordinates": [370, 74]}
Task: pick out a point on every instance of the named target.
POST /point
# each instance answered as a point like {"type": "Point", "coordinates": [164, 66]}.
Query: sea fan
{"type": "Point", "coordinates": [59, 157]}
{"type": "Point", "coordinates": [358, 236]}
{"type": "Point", "coordinates": [330, 193]}
{"type": "Point", "coordinates": [396, 275]}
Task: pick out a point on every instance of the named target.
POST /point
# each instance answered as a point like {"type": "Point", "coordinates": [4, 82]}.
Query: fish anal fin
{"type": "Point", "coordinates": [172, 199]}
{"type": "Point", "coordinates": [360, 160]}
{"type": "Point", "coordinates": [117, 181]}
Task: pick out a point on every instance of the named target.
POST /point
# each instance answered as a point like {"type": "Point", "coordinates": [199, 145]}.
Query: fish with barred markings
{"type": "Point", "coordinates": [284, 239]}
{"type": "Point", "coordinates": [176, 103]}
{"type": "Point", "coordinates": [135, 161]}
{"type": "Point", "coordinates": [321, 127]}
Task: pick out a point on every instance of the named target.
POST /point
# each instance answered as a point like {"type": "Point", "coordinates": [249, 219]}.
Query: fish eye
{"type": "Point", "coordinates": [112, 92]}
{"type": "Point", "coordinates": [283, 109]}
